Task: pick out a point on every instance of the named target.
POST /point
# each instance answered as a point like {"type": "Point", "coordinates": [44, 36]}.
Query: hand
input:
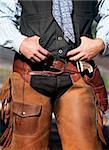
{"type": "Point", "coordinates": [32, 50]}
{"type": "Point", "coordinates": [87, 50]}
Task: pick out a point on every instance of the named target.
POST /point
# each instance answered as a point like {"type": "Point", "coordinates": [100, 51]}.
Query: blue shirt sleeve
{"type": "Point", "coordinates": [10, 36]}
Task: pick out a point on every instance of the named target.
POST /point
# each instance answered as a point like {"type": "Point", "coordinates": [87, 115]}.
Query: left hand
{"type": "Point", "coordinates": [87, 50]}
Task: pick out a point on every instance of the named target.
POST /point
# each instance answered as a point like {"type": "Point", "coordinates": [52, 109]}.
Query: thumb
{"type": "Point", "coordinates": [35, 37]}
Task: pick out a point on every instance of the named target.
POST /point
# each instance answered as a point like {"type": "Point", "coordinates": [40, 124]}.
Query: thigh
{"type": "Point", "coordinates": [76, 118]}
{"type": "Point", "coordinates": [31, 116]}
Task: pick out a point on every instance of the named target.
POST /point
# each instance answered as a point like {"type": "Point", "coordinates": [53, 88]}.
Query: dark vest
{"type": "Point", "coordinates": [37, 19]}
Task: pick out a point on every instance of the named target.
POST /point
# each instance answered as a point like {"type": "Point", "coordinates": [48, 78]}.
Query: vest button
{"type": "Point", "coordinates": [60, 51]}
{"type": "Point", "coordinates": [45, 64]}
{"type": "Point", "coordinates": [60, 38]}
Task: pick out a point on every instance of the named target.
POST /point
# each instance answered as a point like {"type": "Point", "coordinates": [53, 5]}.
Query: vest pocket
{"type": "Point", "coordinates": [26, 118]}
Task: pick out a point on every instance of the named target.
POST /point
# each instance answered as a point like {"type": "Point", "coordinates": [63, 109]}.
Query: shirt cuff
{"type": "Point", "coordinates": [17, 42]}
{"type": "Point", "coordinates": [106, 49]}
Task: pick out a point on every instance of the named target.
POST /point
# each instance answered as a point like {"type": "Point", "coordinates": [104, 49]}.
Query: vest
{"type": "Point", "coordinates": [37, 19]}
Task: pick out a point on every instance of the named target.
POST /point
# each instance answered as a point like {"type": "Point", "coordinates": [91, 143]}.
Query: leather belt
{"type": "Point", "coordinates": [57, 67]}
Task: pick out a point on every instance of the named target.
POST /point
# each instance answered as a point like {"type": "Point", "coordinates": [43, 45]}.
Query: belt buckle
{"type": "Point", "coordinates": [83, 66]}
{"type": "Point", "coordinates": [59, 65]}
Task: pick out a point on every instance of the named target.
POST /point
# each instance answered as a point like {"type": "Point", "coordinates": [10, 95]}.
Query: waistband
{"type": "Point", "coordinates": [49, 67]}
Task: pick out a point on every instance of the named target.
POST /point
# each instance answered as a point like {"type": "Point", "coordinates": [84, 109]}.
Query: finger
{"type": "Point", "coordinates": [44, 51]}
{"type": "Point", "coordinates": [83, 58]}
{"type": "Point", "coordinates": [76, 57]}
{"type": "Point", "coordinates": [40, 56]}
{"type": "Point", "coordinates": [32, 60]}
{"type": "Point", "coordinates": [73, 52]}
{"type": "Point", "coordinates": [35, 59]}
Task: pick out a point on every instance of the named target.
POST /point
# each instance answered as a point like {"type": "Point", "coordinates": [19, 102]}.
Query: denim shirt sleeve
{"type": "Point", "coordinates": [103, 25]}
{"type": "Point", "coordinates": [10, 36]}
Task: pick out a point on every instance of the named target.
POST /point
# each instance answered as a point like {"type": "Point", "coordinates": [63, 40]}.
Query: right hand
{"type": "Point", "coordinates": [32, 50]}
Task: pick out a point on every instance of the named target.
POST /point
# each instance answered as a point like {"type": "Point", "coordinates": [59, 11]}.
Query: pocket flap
{"type": "Point", "coordinates": [26, 110]}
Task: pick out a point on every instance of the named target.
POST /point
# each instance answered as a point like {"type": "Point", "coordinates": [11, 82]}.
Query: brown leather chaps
{"type": "Point", "coordinates": [77, 116]}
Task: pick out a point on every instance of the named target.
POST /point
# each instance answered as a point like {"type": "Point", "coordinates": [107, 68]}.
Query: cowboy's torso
{"type": "Point", "coordinates": [37, 19]}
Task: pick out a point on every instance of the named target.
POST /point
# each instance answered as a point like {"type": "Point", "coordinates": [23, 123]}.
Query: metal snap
{"type": "Point", "coordinates": [60, 51]}
{"type": "Point", "coordinates": [23, 113]}
{"type": "Point", "coordinates": [60, 38]}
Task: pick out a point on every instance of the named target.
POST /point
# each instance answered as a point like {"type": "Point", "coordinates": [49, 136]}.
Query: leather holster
{"type": "Point", "coordinates": [98, 86]}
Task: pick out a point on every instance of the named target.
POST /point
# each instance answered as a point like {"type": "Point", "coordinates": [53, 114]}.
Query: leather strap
{"type": "Point", "coordinates": [57, 67]}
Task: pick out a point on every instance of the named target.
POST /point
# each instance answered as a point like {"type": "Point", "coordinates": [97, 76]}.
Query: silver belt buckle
{"type": "Point", "coordinates": [82, 66]}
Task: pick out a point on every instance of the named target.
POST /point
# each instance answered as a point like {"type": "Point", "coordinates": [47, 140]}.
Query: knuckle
{"type": "Point", "coordinates": [46, 52]}
{"type": "Point", "coordinates": [38, 60]}
{"type": "Point", "coordinates": [43, 58]}
{"type": "Point", "coordinates": [31, 56]}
